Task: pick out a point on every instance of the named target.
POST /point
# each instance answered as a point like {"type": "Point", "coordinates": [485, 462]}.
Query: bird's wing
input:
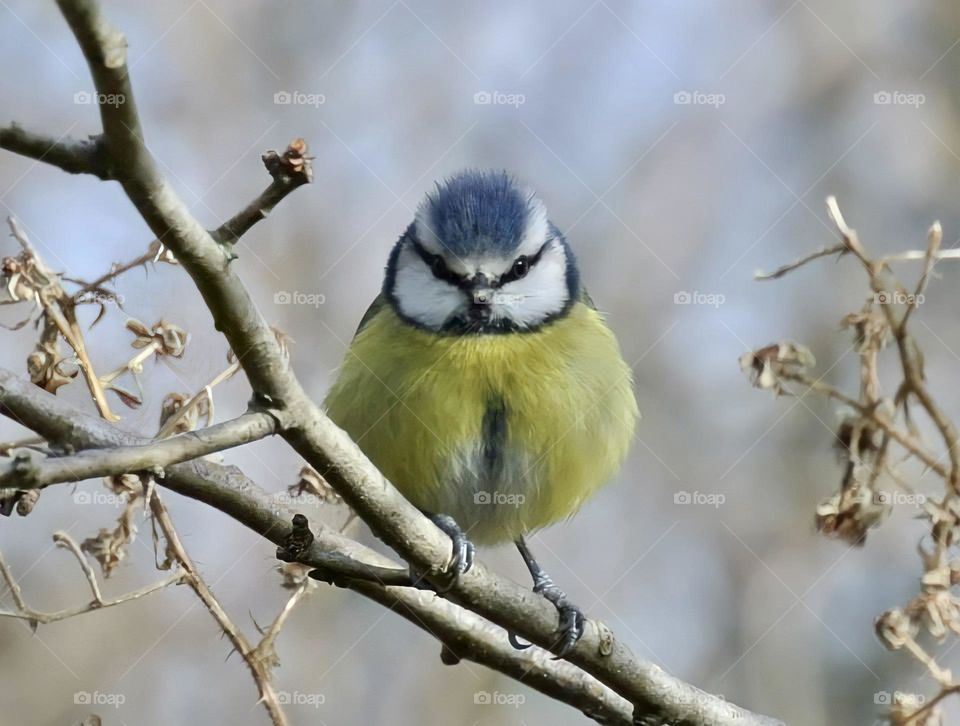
{"type": "Point", "coordinates": [375, 307]}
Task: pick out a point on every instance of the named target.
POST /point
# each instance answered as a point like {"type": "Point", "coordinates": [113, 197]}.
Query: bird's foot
{"type": "Point", "coordinates": [571, 618]}
{"type": "Point", "coordinates": [461, 560]}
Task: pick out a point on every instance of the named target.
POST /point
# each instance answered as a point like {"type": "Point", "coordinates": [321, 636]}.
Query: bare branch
{"type": "Point", "coordinates": [653, 693]}
{"type": "Point", "coordinates": [839, 249]}
{"type": "Point", "coordinates": [289, 170]}
{"type": "Point", "coordinates": [347, 562]}
{"type": "Point", "coordinates": [59, 309]}
{"type": "Point", "coordinates": [869, 424]}
{"type": "Point", "coordinates": [75, 157]}
{"type": "Point", "coordinates": [258, 667]}
{"type": "Point", "coordinates": [24, 472]}
{"type": "Point", "coordinates": [62, 539]}
{"type": "Point", "coordinates": [155, 253]}
{"type": "Point", "coordinates": [35, 617]}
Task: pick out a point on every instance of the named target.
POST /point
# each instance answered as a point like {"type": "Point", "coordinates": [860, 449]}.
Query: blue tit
{"type": "Point", "coordinates": [482, 381]}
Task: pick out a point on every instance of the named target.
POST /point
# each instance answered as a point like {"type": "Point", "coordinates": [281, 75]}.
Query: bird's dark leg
{"type": "Point", "coordinates": [463, 549]}
{"type": "Point", "coordinates": [571, 617]}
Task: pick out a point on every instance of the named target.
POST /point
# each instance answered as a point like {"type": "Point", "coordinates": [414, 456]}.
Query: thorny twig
{"type": "Point", "coordinates": [60, 310]}
{"type": "Point", "coordinates": [869, 425]}
{"type": "Point", "coordinates": [260, 659]}
{"type": "Point", "coordinates": [600, 676]}
{"type": "Point", "coordinates": [35, 617]}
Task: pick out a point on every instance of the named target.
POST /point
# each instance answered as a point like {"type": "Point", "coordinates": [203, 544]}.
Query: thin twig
{"type": "Point", "coordinates": [838, 249]}
{"type": "Point", "coordinates": [62, 539]}
{"type": "Point", "coordinates": [35, 617]}
{"type": "Point", "coordinates": [258, 668]}
{"type": "Point", "coordinates": [62, 313]}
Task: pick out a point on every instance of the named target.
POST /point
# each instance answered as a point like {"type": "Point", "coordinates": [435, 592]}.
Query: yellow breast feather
{"type": "Point", "coordinates": [505, 433]}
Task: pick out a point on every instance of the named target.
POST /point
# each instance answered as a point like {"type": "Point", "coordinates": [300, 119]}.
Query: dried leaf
{"type": "Point", "coordinates": [768, 366]}
{"type": "Point", "coordinates": [312, 482]}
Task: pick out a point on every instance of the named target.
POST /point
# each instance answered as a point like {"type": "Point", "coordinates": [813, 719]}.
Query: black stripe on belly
{"type": "Point", "coordinates": [494, 433]}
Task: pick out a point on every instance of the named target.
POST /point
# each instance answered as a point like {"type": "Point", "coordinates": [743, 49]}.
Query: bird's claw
{"type": "Point", "coordinates": [571, 618]}
{"type": "Point", "coordinates": [462, 558]}
{"type": "Point", "coordinates": [571, 625]}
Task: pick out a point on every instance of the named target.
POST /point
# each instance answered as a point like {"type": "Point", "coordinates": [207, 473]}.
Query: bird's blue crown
{"type": "Point", "coordinates": [478, 211]}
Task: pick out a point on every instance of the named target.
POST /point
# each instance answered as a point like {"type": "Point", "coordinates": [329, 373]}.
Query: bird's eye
{"type": "Point", "coordinates": [520, 267]}
{"type": "Point", "coordinates": [438, 267]}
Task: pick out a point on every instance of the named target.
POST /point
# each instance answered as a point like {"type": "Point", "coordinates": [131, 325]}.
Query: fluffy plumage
{"type": "Point", "coordinates": [482, 382]}
{"type": "Point", "coordinates": [478, 208]}
{"type": "Point", "coordinates": [416, 403]}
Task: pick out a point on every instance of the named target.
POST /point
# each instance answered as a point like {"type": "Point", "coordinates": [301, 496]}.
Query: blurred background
{"type": "Point", "coordinates": [681, 148]}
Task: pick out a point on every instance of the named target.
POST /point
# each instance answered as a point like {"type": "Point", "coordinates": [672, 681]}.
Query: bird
{"type": "Point", "coordinates": [483, 382]}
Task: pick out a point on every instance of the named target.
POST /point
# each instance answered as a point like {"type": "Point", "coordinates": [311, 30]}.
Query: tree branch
{"type": "Point", "coordinates": [26, 472]}
{"type": "Point", "coordinates": [653, 693]}
{"type": "Point", "coordinates": [23, 611]}
{"type": "Point", "coordinates": [348, 563]}
{"type": "Point", "coordinates": [289, 170]}
{"type": "Point", "coordinates": [258, 667]}
{"type": "Point", "coordinates": [71, 155]}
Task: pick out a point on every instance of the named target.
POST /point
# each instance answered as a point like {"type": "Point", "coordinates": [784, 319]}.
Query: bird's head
{"type": "Point", "coordinates": [481, 257]}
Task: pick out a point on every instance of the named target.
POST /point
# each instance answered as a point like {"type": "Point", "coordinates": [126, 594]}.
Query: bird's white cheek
{"type": "Point", "coordinates": [421, 296]}
{"type": "Point", "coordinates": [542, 293]}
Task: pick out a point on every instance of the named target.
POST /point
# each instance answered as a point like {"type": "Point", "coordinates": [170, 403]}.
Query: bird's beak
{"type": "Point", "coordinates": [481, 297]}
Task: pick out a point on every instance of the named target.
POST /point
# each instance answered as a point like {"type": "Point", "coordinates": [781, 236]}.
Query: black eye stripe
{"type": "Point", "coordinates": [440, 270]}
{"type": "Point", "coordinates": [437, 266]}
{"type": "Point", "coordinates": [511, 274]}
